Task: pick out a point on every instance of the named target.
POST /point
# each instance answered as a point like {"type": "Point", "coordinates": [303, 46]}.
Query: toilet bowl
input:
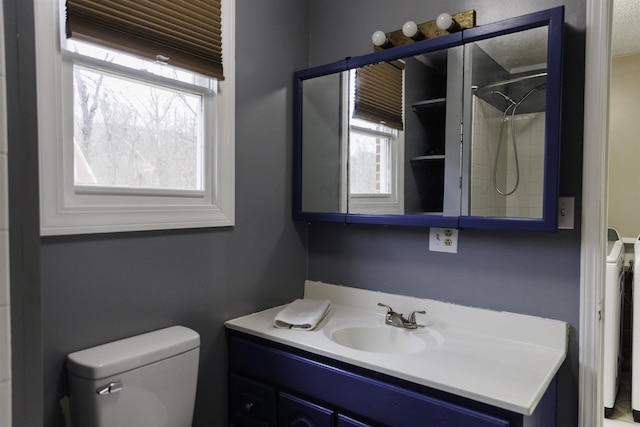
{"type": "Point", "coordinates": [147, 380]}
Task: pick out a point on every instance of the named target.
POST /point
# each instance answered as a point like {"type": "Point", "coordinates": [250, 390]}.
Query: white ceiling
{"type": "Point", "coordinates": [626, 27]}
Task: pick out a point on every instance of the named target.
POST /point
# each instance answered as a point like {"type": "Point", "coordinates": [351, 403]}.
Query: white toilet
{"type": "Point", "coordinates": [144, 381]}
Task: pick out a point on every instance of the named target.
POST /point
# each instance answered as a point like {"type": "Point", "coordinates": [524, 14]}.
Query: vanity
{"type": "Point", "coordinates": [461, 366]}
{"type": "Point", "coordinates": [466, 134]}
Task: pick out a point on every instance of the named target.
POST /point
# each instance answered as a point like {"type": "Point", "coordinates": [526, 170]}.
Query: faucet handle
{"type": "Point", "coordinates": [412, 315]}
{"type": "Point", "coordinates": [389, 309]}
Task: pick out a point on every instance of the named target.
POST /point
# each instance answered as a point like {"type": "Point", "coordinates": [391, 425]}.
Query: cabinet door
{"type": "Point", "coordinates": [295, 412]}
{"type": "Point", "coordinates": [512, 123]}
{"type": "Point", "coordinates": [350, 163]}
{"type": "Point", "coordinates": [251, 404]}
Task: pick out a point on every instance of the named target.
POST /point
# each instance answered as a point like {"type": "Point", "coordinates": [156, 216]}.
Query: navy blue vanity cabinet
{"type": "Point", "coordinates": [313, 390]}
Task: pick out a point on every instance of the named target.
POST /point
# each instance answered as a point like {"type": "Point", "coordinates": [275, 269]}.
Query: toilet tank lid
{"type": "Point", "coordinates": [130, 353]}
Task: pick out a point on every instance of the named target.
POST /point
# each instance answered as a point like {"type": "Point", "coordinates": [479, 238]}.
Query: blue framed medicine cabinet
{"type": "Point", "coordinates": [476, 146]}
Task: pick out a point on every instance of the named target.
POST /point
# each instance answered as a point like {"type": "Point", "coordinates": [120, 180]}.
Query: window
{"type": "Point", "coordinates": [128, 143]}
{"type": "Point", "coordinates": [375, 149]}
{"type": "Point", "coordinates": [370, 158]}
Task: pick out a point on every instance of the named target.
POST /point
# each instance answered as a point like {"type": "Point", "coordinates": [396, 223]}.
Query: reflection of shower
{"type": "Point", "coordinates": [511, 109]}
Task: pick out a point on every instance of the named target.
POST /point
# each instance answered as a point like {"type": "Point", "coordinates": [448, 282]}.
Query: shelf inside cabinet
{"type": "Point", "coordinates": [425, 183]}
{"type": "Point", "coordinates": [428, 158]}
{"type": "Point", "coordinates": [429, 104]}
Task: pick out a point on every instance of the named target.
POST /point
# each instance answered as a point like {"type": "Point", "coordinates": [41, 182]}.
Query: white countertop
{"type": "Point", "coordinates": [503, 359]}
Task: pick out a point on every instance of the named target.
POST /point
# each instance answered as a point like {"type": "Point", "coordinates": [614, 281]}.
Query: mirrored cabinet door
{"type": "Point", "coordinates": [511, 122]}
{"type": "Point", "coordinates": [413, 161]}
{"type": "Point", "coordinates": [319, 167]}
{"type": "Point", "coordinates": [507, 117]}
{"type": "Point", "coordinates": [324, 168]}
{"type": "Point", "coordinates": [377, 141]}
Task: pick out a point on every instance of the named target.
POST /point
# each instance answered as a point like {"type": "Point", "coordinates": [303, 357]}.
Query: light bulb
{"type": "Point", "coordinates": [379, 38]}
{"type": "Point", "coordinates": [445, 21]}
{"type": "Point", "coordinates": [410, 29]}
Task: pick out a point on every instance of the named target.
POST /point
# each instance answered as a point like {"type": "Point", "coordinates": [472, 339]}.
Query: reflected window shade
{"type": "Point", "coordinates": [378, 94]}
{"type": "Point", "coordinates": [188, 33]}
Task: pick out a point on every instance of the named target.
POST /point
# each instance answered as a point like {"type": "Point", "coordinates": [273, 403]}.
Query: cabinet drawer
{"type": "Point", "coordinates": [251, 404]}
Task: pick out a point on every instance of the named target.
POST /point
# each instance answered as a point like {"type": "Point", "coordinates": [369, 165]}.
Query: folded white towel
{"type": "Point", "coordinates": [304, 314]}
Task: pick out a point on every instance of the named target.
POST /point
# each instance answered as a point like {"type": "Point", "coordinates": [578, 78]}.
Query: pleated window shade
{"type": "Point", "coordinates": [186, 32]}
{"type": "Point", "coordinates": [378, 94]}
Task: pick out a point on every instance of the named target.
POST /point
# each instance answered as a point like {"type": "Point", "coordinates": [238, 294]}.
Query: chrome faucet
{"type": "Point", "coordinates": [397, 319]}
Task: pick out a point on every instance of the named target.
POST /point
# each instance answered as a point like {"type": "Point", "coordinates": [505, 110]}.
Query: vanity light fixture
{"type": "Point", "coordinates": [412, 32]}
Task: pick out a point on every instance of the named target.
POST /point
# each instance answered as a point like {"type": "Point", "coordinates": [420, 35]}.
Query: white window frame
{"type": "Point", "coordinates": [69, 209]}
{"type": "Point", "coordinates": [392, 202]}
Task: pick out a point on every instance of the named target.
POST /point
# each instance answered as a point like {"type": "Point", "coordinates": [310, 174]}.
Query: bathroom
{"type": "Point", "coordinates": [73, 292]}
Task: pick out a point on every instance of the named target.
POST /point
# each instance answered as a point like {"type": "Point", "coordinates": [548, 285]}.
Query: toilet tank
{"type": "Point", "coordinates": [147, 380]}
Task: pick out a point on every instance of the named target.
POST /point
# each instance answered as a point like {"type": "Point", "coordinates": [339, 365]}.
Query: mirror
{"type": "Point", "coordinates": [404, 147]}
{"type": "Point", "coordinates": [324, 168]}
{"type": "Point", "coordinates": [378, 141]}
{"type": "Point", "coordinates": [511, 123]}
{"type": "Point", "coordinates": [505, 106]}
{"type": "Point", "coordinates": [459, 131]}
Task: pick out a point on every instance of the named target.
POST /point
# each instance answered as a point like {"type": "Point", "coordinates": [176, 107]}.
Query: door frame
{"type": "Point", "coordinates": [594, 208]}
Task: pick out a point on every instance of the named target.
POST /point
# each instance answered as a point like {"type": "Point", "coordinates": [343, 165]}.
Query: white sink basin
{"type": "Point", "coordinates": [386, 339]}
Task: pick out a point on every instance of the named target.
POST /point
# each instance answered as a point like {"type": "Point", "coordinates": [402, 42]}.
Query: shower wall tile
{"type": "Point", "coordinates": [486, 124]}
{"type": "Point", "coordinates": [526, 200]}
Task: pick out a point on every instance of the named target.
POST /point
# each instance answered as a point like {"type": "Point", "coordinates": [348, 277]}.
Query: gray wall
{"type": "Point", "coordinates": [87, 290]}
{"type": "Point", "coordinates": [530, 273]}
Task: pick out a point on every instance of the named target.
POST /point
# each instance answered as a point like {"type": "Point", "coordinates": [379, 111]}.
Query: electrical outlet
{"type": "Point", "coordinates": [443, 240]}
{"type": "Point", "coordinates": [566, 212]}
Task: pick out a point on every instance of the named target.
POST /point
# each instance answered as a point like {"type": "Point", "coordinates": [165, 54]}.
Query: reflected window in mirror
{"type": "Point", "coordinates": [371, 160]}
{"type": "Point", "coordinates": [376, 138]}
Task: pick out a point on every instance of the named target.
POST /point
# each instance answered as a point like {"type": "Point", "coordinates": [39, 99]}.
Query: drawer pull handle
{"type": "Point", "coordinates": [248, 407]}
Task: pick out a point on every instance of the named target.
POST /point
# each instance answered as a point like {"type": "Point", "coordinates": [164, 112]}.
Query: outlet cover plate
{"type": "Point", "coordinates": [566, 212]}
{"type": "Point", "coordinates": [443, 240]}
